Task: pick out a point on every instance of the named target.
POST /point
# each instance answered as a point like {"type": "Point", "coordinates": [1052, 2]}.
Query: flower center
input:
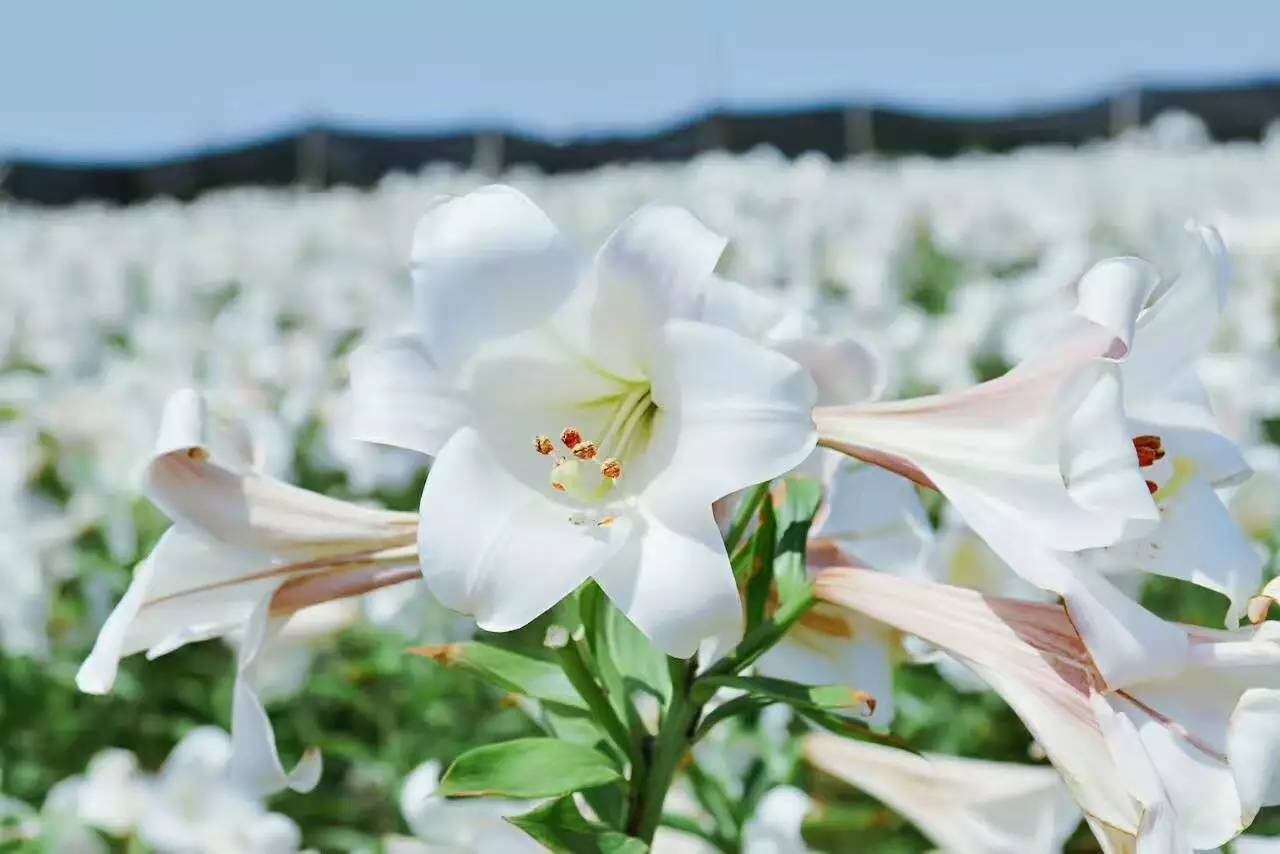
{"type": "Point", "coordinates": [592, 470]}
{"type": "Point", "coordinates": [1149, 449]}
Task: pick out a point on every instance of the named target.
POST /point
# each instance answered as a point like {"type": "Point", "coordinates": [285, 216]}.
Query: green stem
{"type": "Point", "coordinates": [668, 749]}
{"type": "Point", "coordinates": [575, 667]}
{"type": "Point", "coordinates": [688, 696]}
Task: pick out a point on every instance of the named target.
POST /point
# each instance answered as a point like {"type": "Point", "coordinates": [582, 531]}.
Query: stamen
{"type": "Point", "coordinates": [1152, 487]}
{"type": "Point", "coordinates": [197, 453]}
{"type": "Point", "coordinates": [584, 450]}
{"type": "Point", "coordinates": [611, 468]}
{"type": "Point", "coordinates": [542, 444]}
{"type": "Point", "coordinates": [571, 438]}
{"type": "Point", "coordinates": [1149, 450]}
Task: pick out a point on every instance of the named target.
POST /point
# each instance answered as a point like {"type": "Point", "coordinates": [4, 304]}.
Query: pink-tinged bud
{"type": "Point", "coordinates": [571, 438]}
{"type": "Point", "coordinates": [1259, 607]}
{"type": "Point", "coordinates": [542, 444]}
{"type": "Point", "coordinates": [585, 450]}
{"type": "Point", "coordinates": [611, 468]}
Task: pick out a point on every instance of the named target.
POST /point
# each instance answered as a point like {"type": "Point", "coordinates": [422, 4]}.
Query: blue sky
{"type": "Point", "coordinates": [144, 78]}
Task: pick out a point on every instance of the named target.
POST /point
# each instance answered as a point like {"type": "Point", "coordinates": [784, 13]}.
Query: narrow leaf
{"type": "Point", "coordinates": [800, 504]}
{"type": "Point", "coordinates": [797, 694]}
{"type": "Point", "coordinates": [519, 672]}
{"type": "Point", "coordinates": [527, 768]}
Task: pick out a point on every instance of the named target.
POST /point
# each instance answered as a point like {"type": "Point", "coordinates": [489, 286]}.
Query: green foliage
{"type": "Point", "coordinates": [560, 827]}
{"type": "Point", "coordinates": [527, 768]}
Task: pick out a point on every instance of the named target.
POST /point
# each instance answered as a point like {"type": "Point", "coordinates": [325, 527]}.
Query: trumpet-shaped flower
{"type": "Point", "coordinates": [581, 416]}
{"type": "Point", "coordinates": [245, 551]}
{"type": "Point", "coordinates": [1170, 764]}
{"type": "Point", "coordinates": [1181, 452]}
{"type": "Point", "coordinates": [966, 806]}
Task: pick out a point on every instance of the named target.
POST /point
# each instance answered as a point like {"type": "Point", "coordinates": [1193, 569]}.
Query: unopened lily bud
{"type": "Point", "coordinates": [1259, 607]}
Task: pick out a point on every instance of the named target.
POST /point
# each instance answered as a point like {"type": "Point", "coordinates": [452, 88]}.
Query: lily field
{"type": "Point", "coordinates": [280, 309]}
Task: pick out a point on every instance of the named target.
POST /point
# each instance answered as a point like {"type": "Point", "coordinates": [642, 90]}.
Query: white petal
{"type": "Point", "coordinates": [398, 397]}
{"type": "Point", "coordinates": [1197, 541]}
{"type": "Point", "coordinates": [186, 590]}
{"type": "Point", "coordinates": [498, 548]}
{"type": "Point", "coordinates": [255, 760]}
{"type": "Point", "coordinates": [1127, 642]}
{"type": "Point", "coordinates": [194, 482]}
{"type": "Point", "coordinates": [1113, 293]}
{"type": "Point", "coordinates": [1253, 746]}
{"type": "Point", "coordinates": [1000, 450]}
{"type": "Point", "coordinates": [875, 517]}
{"type": "Point", "coordinates": [1199, 787]}
{"type": "Point", "coordinates": [655, 267]}
{"type": "Point", "coordinates": [843, 369]}
{"type": "Point", "coordinates": [746, 311]}
{"type": "Point", "coordinates": [1100, 465]}
{"type": "Point", "coordinates": [966, 806]}
{"type": "Point", "coordinates": [674, 581]}
{"type": "Point", "coordinates": [733, 413]}
{"type": "Point", "coordinates": [1029, 653]}
{"type": "Point", "coordinates": [486, 265]}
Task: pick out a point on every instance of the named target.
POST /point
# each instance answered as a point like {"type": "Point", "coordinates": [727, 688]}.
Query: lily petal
{"type": "Point", "coordinates": [186, 590]}
{"type": "Point", "coordinates": [655, 267]}
{"type": "Point", "coordinates": [997, 449]}
{"type": "Point", "coordinates": [497, 548]}
{"type": "Point", "coordinates": [734, 413]}
{"type": "Point", "coordinates": [1028, 652]}
{"type": "Point", "coordinates": [486, 265]}
{"type": "Point", "coordinates": [398, 398]}
{"type": "Point", "coordinates": [1197, 541]}
{"type": "Point", "coordinates": [255, 760]}
{"type": "Point", "coordinates": [966, 806]}
{"type": "Point", "coordinates": [674, 582]}
{"type": "Point", "coordinates": [194, 483]}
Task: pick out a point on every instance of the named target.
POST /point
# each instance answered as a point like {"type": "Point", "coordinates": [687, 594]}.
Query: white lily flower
{"type": "Point", "coordinates": [1183, 455]}
{"type": "Point", "coordinates": [244, 549]}
{"type": "Point", "coordinates": [1170, 764]}
{"type": "Point", "coordinates": [578, 417]}
{"type": "Point", "coordinates": [461, 826]}
{"type": "Point", "coordinates": [965, 806]}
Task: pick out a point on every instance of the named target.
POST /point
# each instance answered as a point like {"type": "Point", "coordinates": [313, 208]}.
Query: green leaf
{"type": "Point", "coordinates": [760, 578]}
{"type": "Point", "coordinates": [527, 768]}
{"type": "Point", "coordinates": [520, 672]}
{"type": "Point", "coordinates": [799, 506]}
{"type": "Point", "coordinates": [746, 510]}
{"type": "Point", "coordinates": [796, 694]}
{"type": "Point", "coordinates": [560, 827]}
{"type": "Point", "coordinates": [641, 665]}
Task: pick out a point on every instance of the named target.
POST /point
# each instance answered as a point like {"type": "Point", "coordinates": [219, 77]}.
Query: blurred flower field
{"type": "Point", "coordinates": [950, 270]}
